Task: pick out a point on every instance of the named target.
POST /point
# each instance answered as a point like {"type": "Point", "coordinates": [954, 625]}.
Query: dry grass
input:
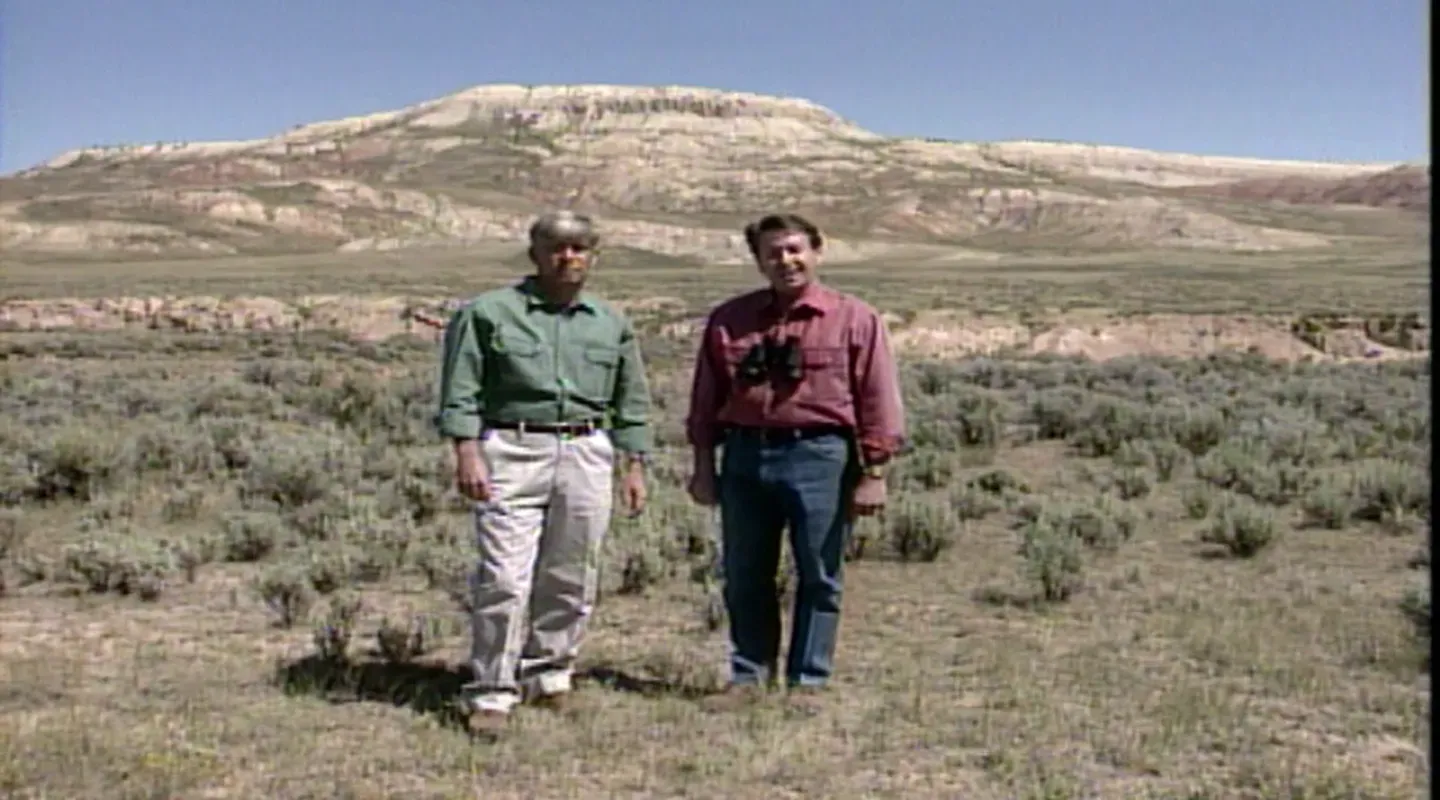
{"type": "Point", "coordinates": [1237, 624]}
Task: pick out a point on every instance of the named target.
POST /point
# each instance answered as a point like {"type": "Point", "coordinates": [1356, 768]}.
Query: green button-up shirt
{"type": "Point", "coordinates": [511, 356]}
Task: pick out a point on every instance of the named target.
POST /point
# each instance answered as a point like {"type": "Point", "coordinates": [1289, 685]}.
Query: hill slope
{"type": "Point", "coordinates": [672, 170]}
{"type": "Point", "coordinates": [1404, 187]}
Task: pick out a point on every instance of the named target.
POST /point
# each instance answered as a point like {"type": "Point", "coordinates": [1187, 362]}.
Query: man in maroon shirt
{"type": "Point", "coordinates": [797, 385]}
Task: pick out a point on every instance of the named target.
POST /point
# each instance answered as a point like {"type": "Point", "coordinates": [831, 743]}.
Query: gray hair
{"type": "Point", "coordinates": [564, 226]}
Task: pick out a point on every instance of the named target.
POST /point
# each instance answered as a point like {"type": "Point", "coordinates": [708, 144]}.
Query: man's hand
{"type": "Point", "coordinates": [632, 489]}
{"type": "Point", "coordinates": [472, 477]}
{"type": "Point", "coordinates": [702, 488]}
{"type": "Point", "coordinates": [869, 497]}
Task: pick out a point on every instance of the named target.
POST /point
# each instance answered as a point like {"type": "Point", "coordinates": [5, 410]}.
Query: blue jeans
{"type": "Point", "coordinates": [766, 487]}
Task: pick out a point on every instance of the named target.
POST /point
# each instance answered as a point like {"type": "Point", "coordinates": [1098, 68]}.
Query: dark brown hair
{"type": "Point", "coordinates": [793, 223]}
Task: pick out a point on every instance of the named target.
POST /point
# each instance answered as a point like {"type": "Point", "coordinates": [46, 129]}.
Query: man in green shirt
{"type": "Point", "coordinates": [541, 388]}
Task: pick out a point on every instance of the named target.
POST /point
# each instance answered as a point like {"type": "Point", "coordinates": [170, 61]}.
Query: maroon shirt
{"type": "Point", "coordinates": [849, 379]}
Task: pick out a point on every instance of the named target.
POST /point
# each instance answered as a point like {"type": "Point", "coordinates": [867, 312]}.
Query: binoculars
{"type": "Point", "coordinates": [771, 356]}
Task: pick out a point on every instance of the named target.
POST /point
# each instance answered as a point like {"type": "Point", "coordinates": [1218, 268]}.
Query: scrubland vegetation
{"type": "Point", "coordinates": [232, 566]}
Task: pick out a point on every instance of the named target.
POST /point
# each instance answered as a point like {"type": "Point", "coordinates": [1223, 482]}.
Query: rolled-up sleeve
{"type": "Point", "coordinates": [462, 371]}
{"type": "Point", "coordinates": [631, 404]}
{"type": "Point", "coordinates": [879, 409]}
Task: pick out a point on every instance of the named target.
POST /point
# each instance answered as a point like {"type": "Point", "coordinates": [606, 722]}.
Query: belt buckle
{"type": "Point", "coordinates": [576, 430]}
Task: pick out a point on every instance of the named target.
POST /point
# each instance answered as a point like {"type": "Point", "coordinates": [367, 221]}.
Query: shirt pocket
{"type": "Point", "coordinates": [826, 380]}
{"type": "Point", "coordinates": [507, 344]}
{"type": "Point", "coordinates": [596, 371]}
{"type": "Point", "coordinates": [517, 362]}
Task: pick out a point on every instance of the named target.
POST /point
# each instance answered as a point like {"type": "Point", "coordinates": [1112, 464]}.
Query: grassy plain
{"type": "Point", "coordinates": [232, 566]}
{"type": "Point", "coordinates": [1361, 280]}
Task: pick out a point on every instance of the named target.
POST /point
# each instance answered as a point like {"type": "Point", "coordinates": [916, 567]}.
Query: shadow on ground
{"type": "Point", "coordinates": [423, 687]}
{"type": "Point", "coordinates": [617, 679]}
{"type": "Point", "coordinates": [432, 688]}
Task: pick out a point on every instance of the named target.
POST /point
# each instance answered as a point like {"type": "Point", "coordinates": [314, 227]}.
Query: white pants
{"type": "Point", "coordinates": [539, 538]}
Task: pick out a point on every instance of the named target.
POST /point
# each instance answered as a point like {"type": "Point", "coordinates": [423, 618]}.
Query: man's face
{"type": "Point", "coordinates": [787, 260]}
{"type": "Point", "coordinates": [564, 262]}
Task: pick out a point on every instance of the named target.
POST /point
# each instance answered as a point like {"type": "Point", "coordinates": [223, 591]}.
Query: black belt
{"type": "Point", "coordinates": [560, 428]}
{"type": "Point", "coordinates": [792, 434]}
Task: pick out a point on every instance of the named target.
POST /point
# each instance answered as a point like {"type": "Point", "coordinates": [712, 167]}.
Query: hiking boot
{"type": "Point", "coordinates": [735, 697]}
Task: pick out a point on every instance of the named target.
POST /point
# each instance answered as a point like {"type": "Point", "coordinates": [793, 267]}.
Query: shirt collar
{"type": "Point", "coordinates": [534, 299]}
{"type": "Point", "coordinates": [815, 297]}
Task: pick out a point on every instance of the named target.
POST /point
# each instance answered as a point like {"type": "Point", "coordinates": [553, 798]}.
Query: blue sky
{"type": "Point", "coordinates": [1321, 79]}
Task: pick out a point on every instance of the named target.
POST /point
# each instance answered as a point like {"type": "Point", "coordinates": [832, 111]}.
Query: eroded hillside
{"type": "Point", "coordinates": [672, 170]}
{"type": "Point", "coordinates": [1405, 187]}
